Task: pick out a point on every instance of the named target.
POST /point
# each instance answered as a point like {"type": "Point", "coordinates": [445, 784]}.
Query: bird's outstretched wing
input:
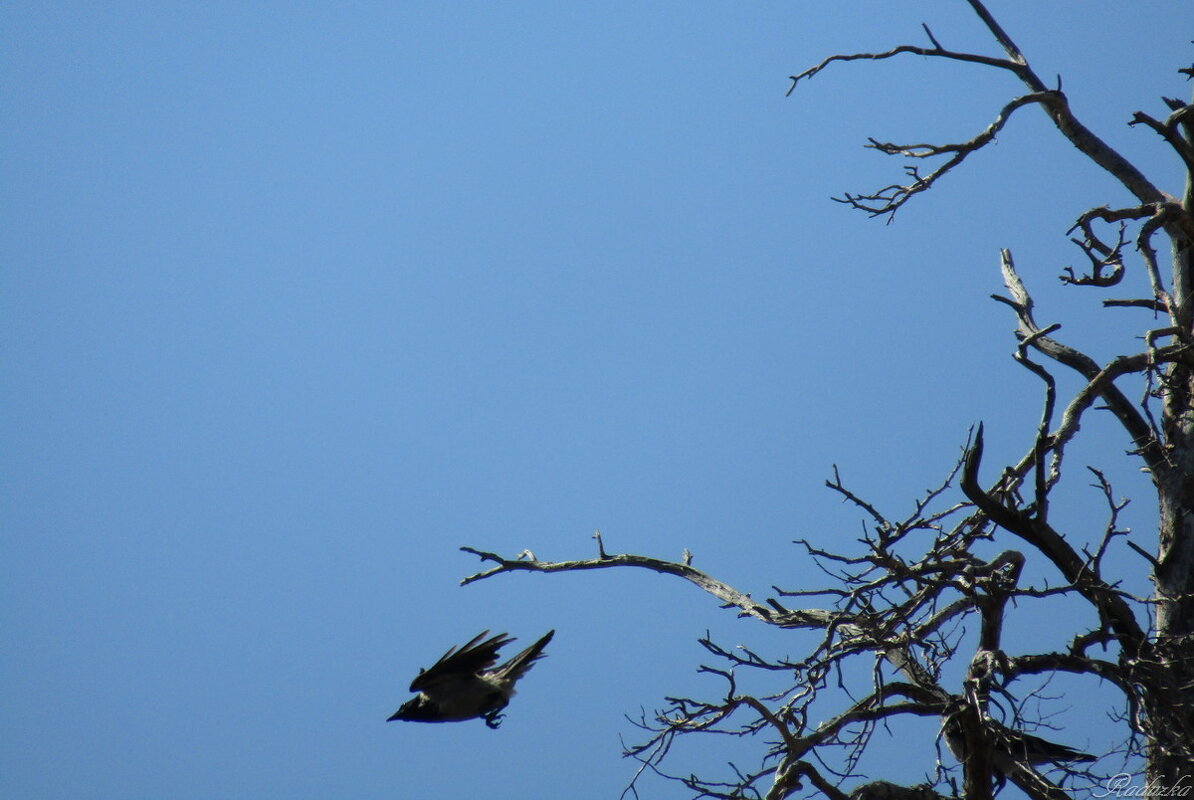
{"type": "Point", "coordinates": [516, 667]}
{"type": "Point", "coordinates": [465, 662]}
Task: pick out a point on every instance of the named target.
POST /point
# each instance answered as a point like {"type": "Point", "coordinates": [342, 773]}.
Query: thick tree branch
{"type": "Point", "coordinates": [722, 591]}
{"type": "Point", "coordinates": [1053, 545]}
{"type": "Point", "coordinates": [1133, 421]}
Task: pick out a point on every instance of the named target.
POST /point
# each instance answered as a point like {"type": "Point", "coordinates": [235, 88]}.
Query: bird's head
{"type": "Point", "coordinates": [417, 709]}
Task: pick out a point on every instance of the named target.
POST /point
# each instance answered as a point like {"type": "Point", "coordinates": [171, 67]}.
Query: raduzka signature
{"type": "Point", "coordinates": [1121, 785]}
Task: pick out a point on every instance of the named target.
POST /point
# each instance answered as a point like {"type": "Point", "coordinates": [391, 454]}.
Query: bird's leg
{"type": "Point", "coordinates": [493, 719]}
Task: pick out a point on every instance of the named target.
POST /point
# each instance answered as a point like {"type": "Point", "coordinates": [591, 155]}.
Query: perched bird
{"type": "Point", "coordinates": [464, 685]}
{"type": "Point", "coordinates": [1011, 746]}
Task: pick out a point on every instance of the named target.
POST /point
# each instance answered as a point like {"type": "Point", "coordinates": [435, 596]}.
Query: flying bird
{"type": "Point", "coordinates": [464, 684]}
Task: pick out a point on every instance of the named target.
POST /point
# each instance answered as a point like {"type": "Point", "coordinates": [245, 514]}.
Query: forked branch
{"type": "Point", "coordinates": [1053, 101]}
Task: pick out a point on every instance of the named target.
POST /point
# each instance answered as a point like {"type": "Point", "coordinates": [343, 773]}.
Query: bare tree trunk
{"type": "Point", "coordinates": [1172, 710]}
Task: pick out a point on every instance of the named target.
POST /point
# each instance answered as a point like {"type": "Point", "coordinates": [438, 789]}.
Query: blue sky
{"type": "Point", "coordinates": [300, 297]}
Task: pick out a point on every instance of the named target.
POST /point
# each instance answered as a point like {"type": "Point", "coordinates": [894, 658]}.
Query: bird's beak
{"type": "Point", "coordinates": [403, 711]}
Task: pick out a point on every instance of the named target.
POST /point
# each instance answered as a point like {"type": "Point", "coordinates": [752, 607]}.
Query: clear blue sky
{"type": "Point", "coordinates": [297, 298]}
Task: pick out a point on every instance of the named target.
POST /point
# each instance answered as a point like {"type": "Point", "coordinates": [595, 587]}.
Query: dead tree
{"type": "Point", "coordinates": [899, 605]}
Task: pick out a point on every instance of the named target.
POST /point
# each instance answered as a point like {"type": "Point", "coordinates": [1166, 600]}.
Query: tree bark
{"type": "Point", "coordinates": [1171, 746]}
